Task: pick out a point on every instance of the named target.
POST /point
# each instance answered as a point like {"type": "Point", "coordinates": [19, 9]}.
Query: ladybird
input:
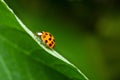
{"type": "Point", "coordinates": [47, 38]}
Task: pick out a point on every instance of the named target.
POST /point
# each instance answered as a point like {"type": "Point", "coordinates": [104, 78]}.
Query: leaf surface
{"type": "Point", "coordinates": [24, 57]}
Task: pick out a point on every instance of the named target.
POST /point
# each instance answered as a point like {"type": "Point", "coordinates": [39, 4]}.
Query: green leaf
{"type": "Point", "coordinates": [24, 57]}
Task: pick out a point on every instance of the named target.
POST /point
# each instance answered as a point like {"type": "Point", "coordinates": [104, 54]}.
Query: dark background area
{"type": "Point", "coordinates": [87, 32]}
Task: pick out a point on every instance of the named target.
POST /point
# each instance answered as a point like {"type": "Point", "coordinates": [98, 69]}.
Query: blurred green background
{"type": "Point", "coordinates": [87, 32]}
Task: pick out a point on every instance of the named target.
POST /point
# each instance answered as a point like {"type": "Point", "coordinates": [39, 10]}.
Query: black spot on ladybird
{"type": "Point", "coordinates": [49, 38]}
{"type": "Point", "coordinates": [46, 33]}
{"type": "Point", "coordinates": [44, 36]}
{"type": "Point", "coordinates": [46, 41]}
{"type": "Point", "coordinates": [50, 44]}
{"type": "Point", "coordinates": [50, 35]}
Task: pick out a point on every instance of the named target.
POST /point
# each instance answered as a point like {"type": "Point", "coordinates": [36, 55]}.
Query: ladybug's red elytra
{"type": "Point", "coordinates": [47, 38]}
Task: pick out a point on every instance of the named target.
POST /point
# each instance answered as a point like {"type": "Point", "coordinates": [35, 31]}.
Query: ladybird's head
{"type": "Point", "coordinates": [38, 33]}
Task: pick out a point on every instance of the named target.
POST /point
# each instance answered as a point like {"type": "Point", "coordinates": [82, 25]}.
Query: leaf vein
{"type": "Point", "coordinates": [5, 68]}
